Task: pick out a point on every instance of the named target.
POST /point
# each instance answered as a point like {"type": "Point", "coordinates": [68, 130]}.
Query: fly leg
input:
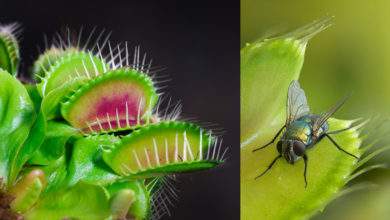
{"type": "Point", "coordinates": [341, 130]}
{"type": "Point", "coordinates": [338, 146]}
{"type": "Point", "coordinates": [305, 159]}
{"type": "Point", "coordinates": [269, 166]}
{"type": "Point", "coordinates": [272, 141]}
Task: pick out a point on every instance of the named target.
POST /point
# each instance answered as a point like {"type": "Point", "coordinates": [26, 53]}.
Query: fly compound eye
{"type": "Point", "coordinates": [279, 146]}
{"type": "Point", "coordinates": [298, 148]}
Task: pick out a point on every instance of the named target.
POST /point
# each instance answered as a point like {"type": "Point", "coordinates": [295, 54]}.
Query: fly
{"type": "Point", "coordinates": [303, 130]}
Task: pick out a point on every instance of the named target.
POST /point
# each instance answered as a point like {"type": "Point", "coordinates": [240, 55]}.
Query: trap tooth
{"type": "Point", "coordinates": [163, 148]}
{"type": "Point", "coordinates": [9, 49]}
{"type": "Point", "coordinates": [121, 99]}
{"type": "Point", "coordinates": [71, 66]}
{"type": "Point", "coordinates": [48, 59]}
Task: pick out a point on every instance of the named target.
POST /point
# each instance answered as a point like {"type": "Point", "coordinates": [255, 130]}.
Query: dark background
{"type": "Point", "coordinates": [198, 42]}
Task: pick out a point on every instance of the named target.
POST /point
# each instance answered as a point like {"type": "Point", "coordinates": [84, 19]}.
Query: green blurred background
{"type": "Point", "coordinates": [351, 56]}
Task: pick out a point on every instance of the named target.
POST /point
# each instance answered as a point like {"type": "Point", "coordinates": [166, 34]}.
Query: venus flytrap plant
{"type": "Point", "coordinates": [89, 139]}
{"type": "Point", "coordinates": [268, 66]}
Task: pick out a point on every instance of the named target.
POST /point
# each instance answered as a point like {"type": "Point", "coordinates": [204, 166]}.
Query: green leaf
{"type": "Point", "coordinates": [83, 201]}
{"type": "Point", "coordinates": [53, 146]}
{"type": "Point", "coordinates": [86, 163]}
{"type": "Point", "coordinates": [16, 118]}
{"type": "Point", "coordinates": [55, 173]}
{"type": "Point", "coordinates": [164, 148]}
{"type": "Point", "coordinates": [34, 95]}
{"type": "Point", "coordinates": [31, 145]}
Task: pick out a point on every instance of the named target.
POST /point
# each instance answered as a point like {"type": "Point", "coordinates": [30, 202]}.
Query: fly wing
{"type": "Point", "coordinates": [326, 115]}
{"type": "Point", "coordinates": [296, 102]}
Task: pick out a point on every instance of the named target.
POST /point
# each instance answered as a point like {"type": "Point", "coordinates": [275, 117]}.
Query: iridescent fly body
{"type": "Point", "coordinates": [302, 129]}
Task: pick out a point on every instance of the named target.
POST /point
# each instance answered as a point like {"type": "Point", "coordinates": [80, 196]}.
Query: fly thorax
{"type": "Point", "coordinates": [299, 130]}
